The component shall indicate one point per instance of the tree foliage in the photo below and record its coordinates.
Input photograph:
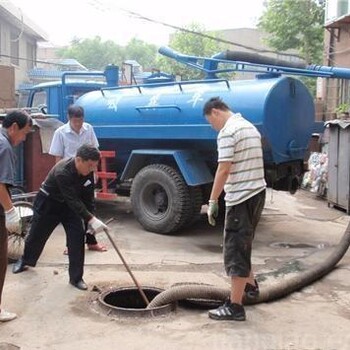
(295, 24)
(142, 52)
(96, 54)
(189, 44)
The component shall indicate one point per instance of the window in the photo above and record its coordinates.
(14, 38)
(344, 91)
(30, 56)
(23, 99)
(336, 9)
(39, 99)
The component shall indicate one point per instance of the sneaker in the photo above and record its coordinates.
(7, 316)
(228, 311)
(252, 292)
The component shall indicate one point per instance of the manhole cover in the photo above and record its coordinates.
(127, 301)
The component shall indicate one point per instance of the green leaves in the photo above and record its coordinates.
(96, 54)
(295, 24)
(189, 44)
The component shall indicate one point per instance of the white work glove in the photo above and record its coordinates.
(213, 211)
(13, 221)
(97, 225)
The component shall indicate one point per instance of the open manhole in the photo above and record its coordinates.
(127, 301)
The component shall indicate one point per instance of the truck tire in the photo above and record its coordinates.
(196, 199)
(160, 199)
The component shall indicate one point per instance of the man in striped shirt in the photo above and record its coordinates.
(240, 174)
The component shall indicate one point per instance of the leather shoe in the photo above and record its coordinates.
(80, 285)
(19, 266)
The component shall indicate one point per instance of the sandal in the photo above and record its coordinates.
(97, 247)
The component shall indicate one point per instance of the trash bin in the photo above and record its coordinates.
(37, 161)
(339, 164)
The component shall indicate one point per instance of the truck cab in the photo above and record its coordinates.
(54, 97)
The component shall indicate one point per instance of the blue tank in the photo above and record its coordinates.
(166, 151)
(169, 116)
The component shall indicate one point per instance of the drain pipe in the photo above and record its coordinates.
(267, 294)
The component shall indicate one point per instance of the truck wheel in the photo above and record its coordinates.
(196, 198)
(160, 199)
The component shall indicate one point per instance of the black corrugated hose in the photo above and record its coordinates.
(268, 293)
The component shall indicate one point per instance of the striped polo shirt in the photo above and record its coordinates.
(239, 142)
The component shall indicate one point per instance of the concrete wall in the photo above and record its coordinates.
(10, 37)
(338, 49)
(254, 38)
(337, 53)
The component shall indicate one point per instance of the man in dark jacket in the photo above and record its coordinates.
(66, 140)
(15, 127)
(67, 197)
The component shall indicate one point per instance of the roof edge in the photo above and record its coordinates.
(30, 27)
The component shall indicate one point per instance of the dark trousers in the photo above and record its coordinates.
(240, 224)
(90, 239)
(3, 250)
(48, 213)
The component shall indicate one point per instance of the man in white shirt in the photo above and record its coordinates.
(66, 140)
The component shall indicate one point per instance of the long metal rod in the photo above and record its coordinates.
(143, 295)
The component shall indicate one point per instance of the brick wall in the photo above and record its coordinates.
(7, 87)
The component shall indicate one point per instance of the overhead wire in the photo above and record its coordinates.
(32, 60)
(100, 6)
(207, 36)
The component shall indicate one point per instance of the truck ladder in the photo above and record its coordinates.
(104, 175)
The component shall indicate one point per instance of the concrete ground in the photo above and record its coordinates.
(295, 232)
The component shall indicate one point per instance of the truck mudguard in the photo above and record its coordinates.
(193, 169)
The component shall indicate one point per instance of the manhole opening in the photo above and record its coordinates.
(129, 298)
(127, 301)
